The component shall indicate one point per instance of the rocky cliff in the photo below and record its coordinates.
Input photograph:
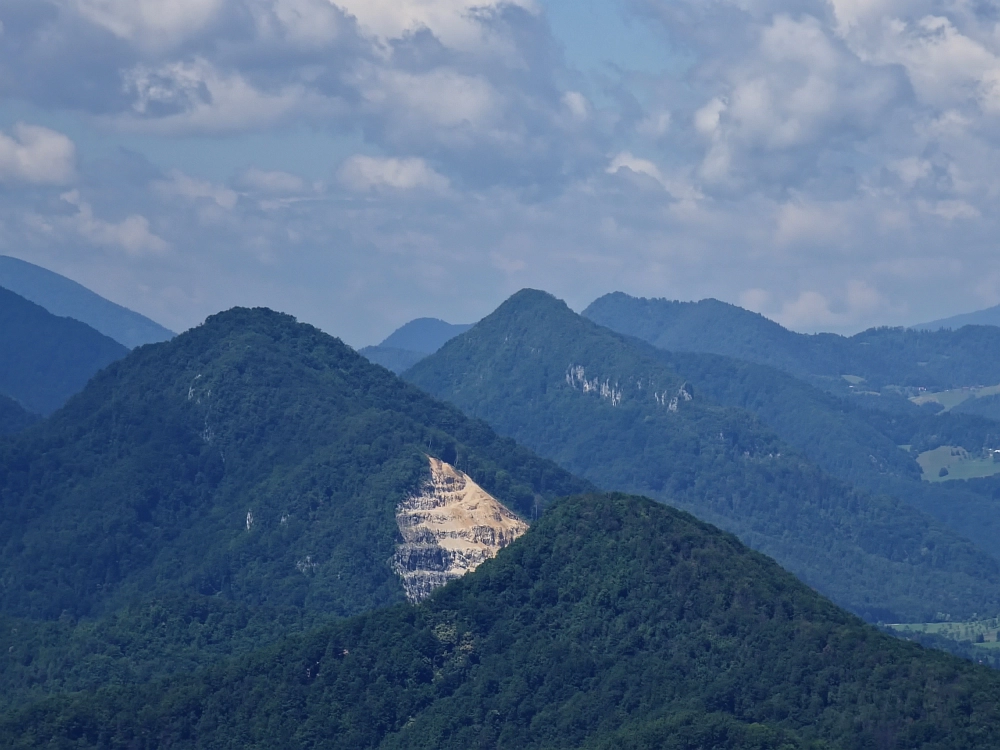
(449, 528)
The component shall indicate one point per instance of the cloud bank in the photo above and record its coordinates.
(832, 164)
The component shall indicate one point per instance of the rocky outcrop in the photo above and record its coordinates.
(449, 528)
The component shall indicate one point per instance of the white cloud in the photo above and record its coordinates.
(451, 21)
(153, 23)
(38, 155)
(442, 97)
(195, 96)
(271, 181)
(132, 234)
(366, 173)
(184, 186)
(311, 23)
(679, 189)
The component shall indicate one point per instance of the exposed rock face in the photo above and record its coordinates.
(448, 529)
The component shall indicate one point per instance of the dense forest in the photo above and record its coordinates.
(252, 459)
(615, 622)
(46, 358)
(13, 417)
(854, 440)
(880, 357)
(608, 408)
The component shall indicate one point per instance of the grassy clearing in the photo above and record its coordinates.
(958, 463)
(951, 399)
(972, 631)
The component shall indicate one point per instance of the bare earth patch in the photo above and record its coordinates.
(449, 528)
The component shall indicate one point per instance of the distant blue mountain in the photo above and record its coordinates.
(988, 317)
(411, 342)
(424, 335)
(65, 298)
(45, 358)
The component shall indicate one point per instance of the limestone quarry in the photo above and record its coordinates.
(449, 528)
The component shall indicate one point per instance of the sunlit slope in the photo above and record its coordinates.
(614, 622)
(609, 409)
(252, 458)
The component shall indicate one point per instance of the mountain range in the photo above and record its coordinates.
(988, 317)
(614, 622)
(411, 342)
(67, 299)
(611, 410)
(253, 460)
(867, 362)
(251, 536)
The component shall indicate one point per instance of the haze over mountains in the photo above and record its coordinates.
(47, 358)
(873, 359)
(68, 299)
(213, 543)
(988, 317)
(411, 342)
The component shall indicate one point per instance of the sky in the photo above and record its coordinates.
(832, 164)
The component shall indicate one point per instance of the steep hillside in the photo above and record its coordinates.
(614, 622)
(252, 459)
(859, 445)
(13, 417)
(65, 298)
(609, 409)
(871, 360)
(219, 461)
(46, 359)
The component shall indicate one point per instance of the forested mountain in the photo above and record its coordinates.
(614, 622)
(425, 335)
(46, 359)
(608, 408)
(13, 418)
(411, 342)
(253, 460)
(857, 444)
(874, 359)
(988, 317)
(65, 298)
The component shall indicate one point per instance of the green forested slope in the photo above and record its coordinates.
(881, 356)
(614, 622)
(859, 445)
(13, 417)
(252, 459)
(45, 359)
(600, 404)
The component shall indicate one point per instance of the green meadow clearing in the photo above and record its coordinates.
(951, 399)
(959, 463)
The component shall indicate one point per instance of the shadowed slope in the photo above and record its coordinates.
(609, 409)
(614, 622)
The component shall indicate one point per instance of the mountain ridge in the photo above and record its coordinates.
(607, 407)
(614, 622)
(47, 358)
(66, 298)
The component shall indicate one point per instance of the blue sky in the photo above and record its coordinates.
(832, 164)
